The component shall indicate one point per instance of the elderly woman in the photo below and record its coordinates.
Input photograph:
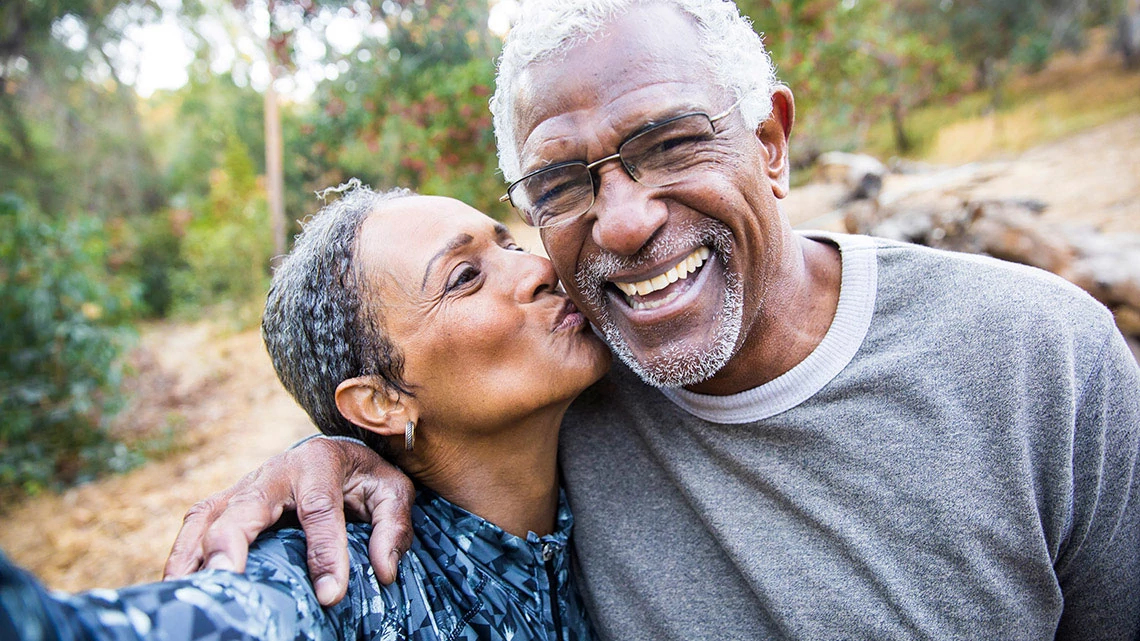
(417, 325)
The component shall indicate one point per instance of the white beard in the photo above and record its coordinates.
(676, 366)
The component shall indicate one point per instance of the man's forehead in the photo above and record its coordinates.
(636, 70)
(631, 44)
(611, 121)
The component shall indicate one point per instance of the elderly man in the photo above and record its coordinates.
(813, 436)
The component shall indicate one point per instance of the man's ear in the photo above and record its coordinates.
(774, 134)
(374, 406)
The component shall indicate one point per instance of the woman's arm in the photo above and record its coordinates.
(273, 599)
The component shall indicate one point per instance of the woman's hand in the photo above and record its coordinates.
(320, 479)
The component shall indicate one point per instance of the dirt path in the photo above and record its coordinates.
(219, 389)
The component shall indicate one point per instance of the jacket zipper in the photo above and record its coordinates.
(552, 581)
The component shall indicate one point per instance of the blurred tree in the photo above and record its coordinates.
(61, 332)
(896, 69)
(197, 130)
(851, 63)
(226, 246)
(193, 125)
(992, 35)
(410, 109)
(70, 138)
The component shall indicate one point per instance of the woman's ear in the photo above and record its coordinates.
(773, 134)
(372, 405)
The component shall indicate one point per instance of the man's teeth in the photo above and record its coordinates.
(680, 271)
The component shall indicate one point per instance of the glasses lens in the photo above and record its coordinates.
(554, 195)
(664, 154)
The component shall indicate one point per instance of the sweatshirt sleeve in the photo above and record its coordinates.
(1099, 566)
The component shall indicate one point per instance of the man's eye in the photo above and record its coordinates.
(462, 276)
(554, 192)
(678, 143)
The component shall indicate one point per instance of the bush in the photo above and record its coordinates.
(61, 336)
(228, 242)
(156, 258)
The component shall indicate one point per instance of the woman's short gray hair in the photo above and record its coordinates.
(320, 326)
(547, 28)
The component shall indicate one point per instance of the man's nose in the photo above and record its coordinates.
(625, 215)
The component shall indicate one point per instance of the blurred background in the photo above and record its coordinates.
(156, 155)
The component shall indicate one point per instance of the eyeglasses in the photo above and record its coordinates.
(658, 156)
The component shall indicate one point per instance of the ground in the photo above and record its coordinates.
(217, 386)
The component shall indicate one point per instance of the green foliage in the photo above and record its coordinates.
(64, 112)
(412, 110)
(227, 244)
(156, 255)
(850, 64)
(198, 250)
(855, 63)
(61, 336)
(992, 35)
(190, 126)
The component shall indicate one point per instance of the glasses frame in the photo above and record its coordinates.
(590, 166)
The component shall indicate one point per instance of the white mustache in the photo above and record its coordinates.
(596, 270)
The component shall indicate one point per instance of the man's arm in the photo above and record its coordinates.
(320, 479)
(1099, 565)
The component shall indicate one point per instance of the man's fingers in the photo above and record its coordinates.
(320, 509)
(186, 553)
(387, 500)
(317, 478)
(250, 510)
(225, 544)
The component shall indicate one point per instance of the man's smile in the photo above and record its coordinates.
(654, 292)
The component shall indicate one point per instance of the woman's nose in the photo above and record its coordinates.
(535, 276)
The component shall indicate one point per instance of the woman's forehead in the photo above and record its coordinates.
(400, 237)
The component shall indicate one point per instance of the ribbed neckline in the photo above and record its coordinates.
(858, 284)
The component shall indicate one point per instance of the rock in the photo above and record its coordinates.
(1104, 265)
(1010, 230)
(1128, 320)
(862, 174)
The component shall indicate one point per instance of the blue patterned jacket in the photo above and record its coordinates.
(464, 578)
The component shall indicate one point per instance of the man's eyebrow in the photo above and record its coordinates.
(452, 246)
(502, 231)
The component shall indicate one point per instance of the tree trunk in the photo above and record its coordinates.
(274, 173)
(898, 121)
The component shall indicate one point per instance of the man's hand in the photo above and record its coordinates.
(320, 479)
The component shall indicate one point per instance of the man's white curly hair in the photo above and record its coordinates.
(545, 29)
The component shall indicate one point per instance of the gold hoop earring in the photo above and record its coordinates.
(410, 436)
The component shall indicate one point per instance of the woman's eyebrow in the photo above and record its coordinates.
(452, 246)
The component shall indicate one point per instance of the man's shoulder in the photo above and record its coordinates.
(978, 287)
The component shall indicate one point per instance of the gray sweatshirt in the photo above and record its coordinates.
(956, 460)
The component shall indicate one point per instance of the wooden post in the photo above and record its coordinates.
(274, 171)
(274, 151)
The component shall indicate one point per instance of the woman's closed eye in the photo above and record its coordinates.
(462, 275)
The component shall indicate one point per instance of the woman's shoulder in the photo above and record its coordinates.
(433, 588)
(369, 610)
